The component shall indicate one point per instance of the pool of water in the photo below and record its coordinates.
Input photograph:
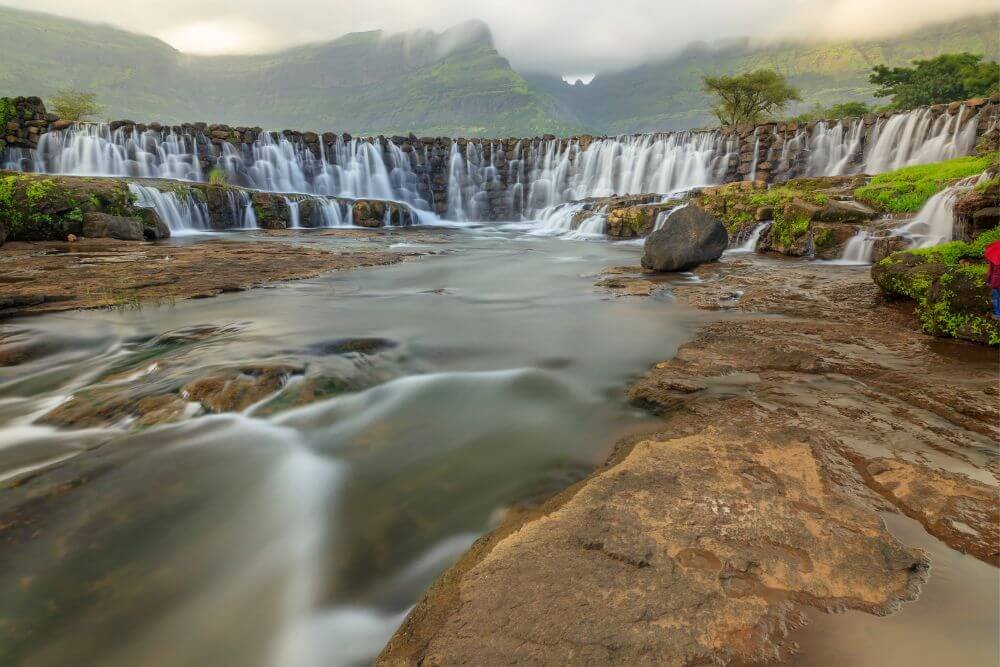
(301, 534)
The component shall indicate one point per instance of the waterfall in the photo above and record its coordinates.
(918, 137)
(750, 245)
(97, 150)
(752, 176)
(241, 209)
(832, 148)
(858, 249)
(480, 180)
(181, 214)
(294, 220)
(933, 224)
(327, 213)
(557, 219)
(935, 220)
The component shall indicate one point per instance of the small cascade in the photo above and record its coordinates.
(294, 219)
(750, 244)
(662, 216)
(918, 137)
(858, 249)
(934, 222)
(241, 211)
(328, 213)
(557, 220)
(97, 150)
(834, 148)
(181, 214)
(752, 176)
(593, 226)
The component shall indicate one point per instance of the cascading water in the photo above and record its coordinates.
(241, 210)
(328, 213)
(181, 214)
(97, 150)
(294, 219)
(934, 222)
(919, 137)
(750, 244)
(858, 249)
(495, 180)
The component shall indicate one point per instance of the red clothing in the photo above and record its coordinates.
(993, 277)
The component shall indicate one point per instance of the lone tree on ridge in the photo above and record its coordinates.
(749, 98)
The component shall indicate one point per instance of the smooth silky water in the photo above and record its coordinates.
(302, 535)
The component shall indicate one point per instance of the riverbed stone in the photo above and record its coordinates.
(688, 238)
(103, 225)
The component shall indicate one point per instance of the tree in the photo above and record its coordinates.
(74, 105)
(750, 97)
(842, 110)
(946, 78)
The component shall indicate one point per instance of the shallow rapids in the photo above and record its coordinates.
(297, 532)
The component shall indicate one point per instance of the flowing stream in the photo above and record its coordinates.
(300, 535)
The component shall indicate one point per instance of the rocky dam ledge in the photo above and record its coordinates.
(771, 152)
(41, 207)
(803, 409)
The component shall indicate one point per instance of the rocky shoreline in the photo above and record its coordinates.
(49, 277)
(806, 405)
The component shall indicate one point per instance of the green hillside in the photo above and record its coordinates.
(364, 83)
(667, 95)
(372, 83)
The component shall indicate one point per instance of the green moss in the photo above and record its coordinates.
(640, 221)
(788, 229)
(906, 190)
(823, 238)
(948, 283)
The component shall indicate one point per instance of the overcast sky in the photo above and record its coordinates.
(562, 36)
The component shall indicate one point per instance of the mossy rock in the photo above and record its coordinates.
(952, 298)
(37, 207)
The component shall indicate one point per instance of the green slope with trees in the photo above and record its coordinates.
(371, 83)
(363, 83)
(669, 94)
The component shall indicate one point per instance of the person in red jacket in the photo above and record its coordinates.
(992, 255)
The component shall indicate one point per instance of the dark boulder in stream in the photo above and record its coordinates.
(689, 237)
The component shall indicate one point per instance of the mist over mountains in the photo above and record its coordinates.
(453, 82)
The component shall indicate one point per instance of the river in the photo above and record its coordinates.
(495, 372)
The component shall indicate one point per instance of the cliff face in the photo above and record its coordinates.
(768, 153)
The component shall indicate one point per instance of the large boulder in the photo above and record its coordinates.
(103, 225)
(845, 211)
(689, 237)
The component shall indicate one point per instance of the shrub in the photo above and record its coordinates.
(218, 177)
(74, 105)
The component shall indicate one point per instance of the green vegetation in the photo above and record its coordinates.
(749, 98)
(43, 208)
(948, 77)
(844, 110)
(906, 190)
(668, 94)
(217, 177)
(948, 283)
(74, 105)
(7, 112)
(371, 83)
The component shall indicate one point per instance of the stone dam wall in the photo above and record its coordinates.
(495, 172)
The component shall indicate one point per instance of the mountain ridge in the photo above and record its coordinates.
(450, 83)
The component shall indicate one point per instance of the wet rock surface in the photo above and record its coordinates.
(783, 438)
(105, 273)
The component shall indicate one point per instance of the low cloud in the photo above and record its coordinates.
(536, 35)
